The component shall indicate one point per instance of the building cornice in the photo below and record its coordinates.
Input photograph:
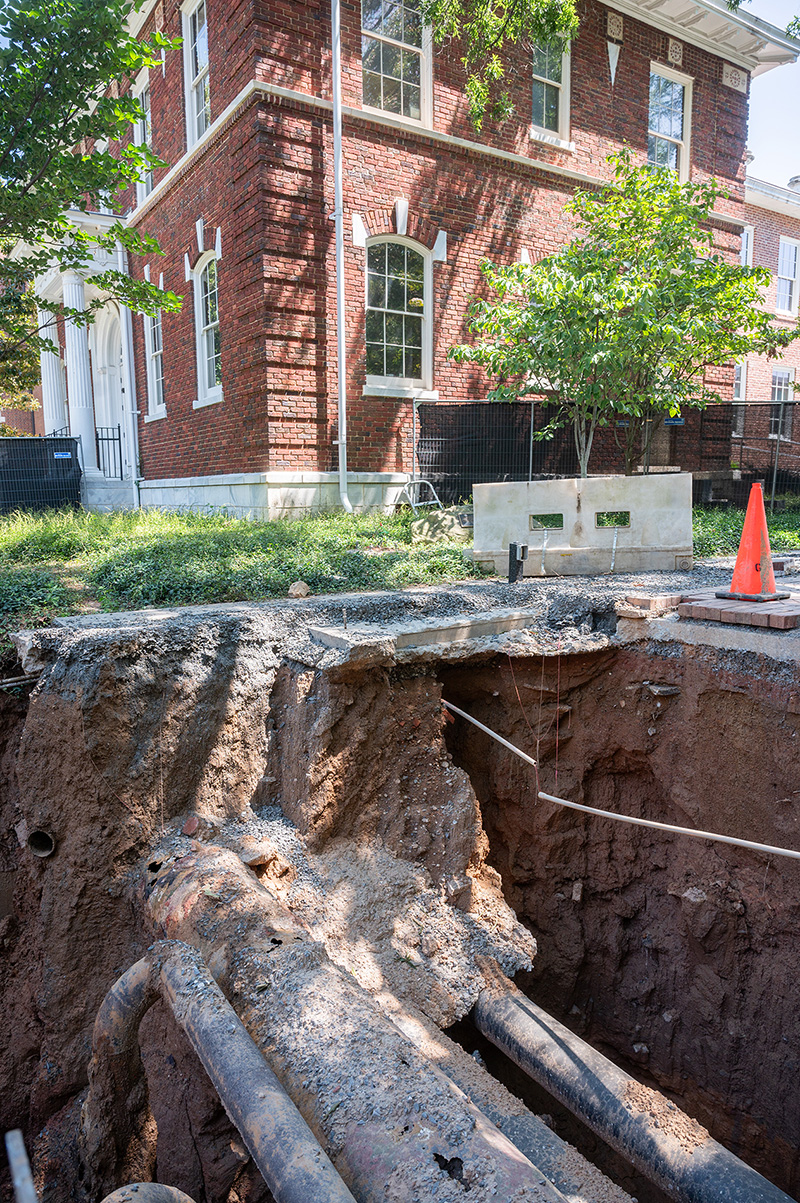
(737, 37)
(762, 195)
(137, 18)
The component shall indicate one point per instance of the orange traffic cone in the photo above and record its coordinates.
(753, 578)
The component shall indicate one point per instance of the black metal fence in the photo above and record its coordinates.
(462, 443)
(108, 440)
(39, 473)
(765, 445)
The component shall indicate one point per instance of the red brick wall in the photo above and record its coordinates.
(769, 227)
(266, 180)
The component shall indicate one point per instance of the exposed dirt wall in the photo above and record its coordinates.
(135, 735)
(679, 955)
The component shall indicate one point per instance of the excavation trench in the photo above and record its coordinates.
(677, 957)
(355, 870)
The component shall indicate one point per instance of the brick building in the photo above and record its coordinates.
(766, 416)
(233, 400)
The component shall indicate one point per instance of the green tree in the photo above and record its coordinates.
(65, 146)
(624, 323)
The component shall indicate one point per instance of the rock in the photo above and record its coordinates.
(299, 589)
(429, 945)
(455, 522)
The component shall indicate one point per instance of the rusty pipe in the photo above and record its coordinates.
(148, 1192)
(292, 1163)
(668, 1147)
(396, 1124)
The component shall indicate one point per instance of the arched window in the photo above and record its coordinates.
(398, 334)
(207, 334)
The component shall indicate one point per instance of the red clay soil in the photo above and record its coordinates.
(678, 955)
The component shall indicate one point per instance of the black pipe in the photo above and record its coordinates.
(517, 555)
(294, 1166)
(657, 1138)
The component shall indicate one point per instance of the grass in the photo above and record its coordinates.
(66, 561)
(717, 531)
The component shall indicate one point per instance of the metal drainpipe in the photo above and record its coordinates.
(669, 1148)
(294, 1166)
(338, 213)
(130, 384)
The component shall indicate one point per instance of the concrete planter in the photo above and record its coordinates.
(601, 524)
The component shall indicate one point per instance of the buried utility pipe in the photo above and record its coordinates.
(148, 1192)
(291, 1161)
(610, 814)
(395, 1120)
(657, 1138)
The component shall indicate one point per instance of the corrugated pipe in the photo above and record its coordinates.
(293, 1165)
(669, 1148)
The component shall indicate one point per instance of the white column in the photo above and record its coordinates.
(53, 407)
(79, 375)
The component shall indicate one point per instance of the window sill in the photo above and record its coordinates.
(156, 416)
(547, 138)
(397, 118)
(202, 402)
(409, 391)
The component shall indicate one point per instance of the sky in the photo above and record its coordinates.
(774, 136)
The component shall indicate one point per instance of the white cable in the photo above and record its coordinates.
(609, 814)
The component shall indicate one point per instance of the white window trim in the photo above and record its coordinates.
(685, 147)
(154, 411)
(401, 386)
(188, 8)
(796, 298)
(741, 400)
(561, 138)
(785, 438)
(142, 82)
(425, 52)
(746, 251)
(205, 395)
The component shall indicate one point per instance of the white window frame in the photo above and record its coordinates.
(792, 311)
(742, 398)
(746, 249)
(775, 405)
(684, 146)
(561, 136)
(144, 186)
(739, 401)
(403, 386)
(190, 81)
(425, 51)
(205, 395)
(154, 408)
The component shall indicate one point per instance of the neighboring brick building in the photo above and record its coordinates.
(237, 393)
(766, 421)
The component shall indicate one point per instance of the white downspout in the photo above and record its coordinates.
(130, 384)
(338, 213)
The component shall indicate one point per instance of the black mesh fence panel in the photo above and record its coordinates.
(39, 474)
(463, 443)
